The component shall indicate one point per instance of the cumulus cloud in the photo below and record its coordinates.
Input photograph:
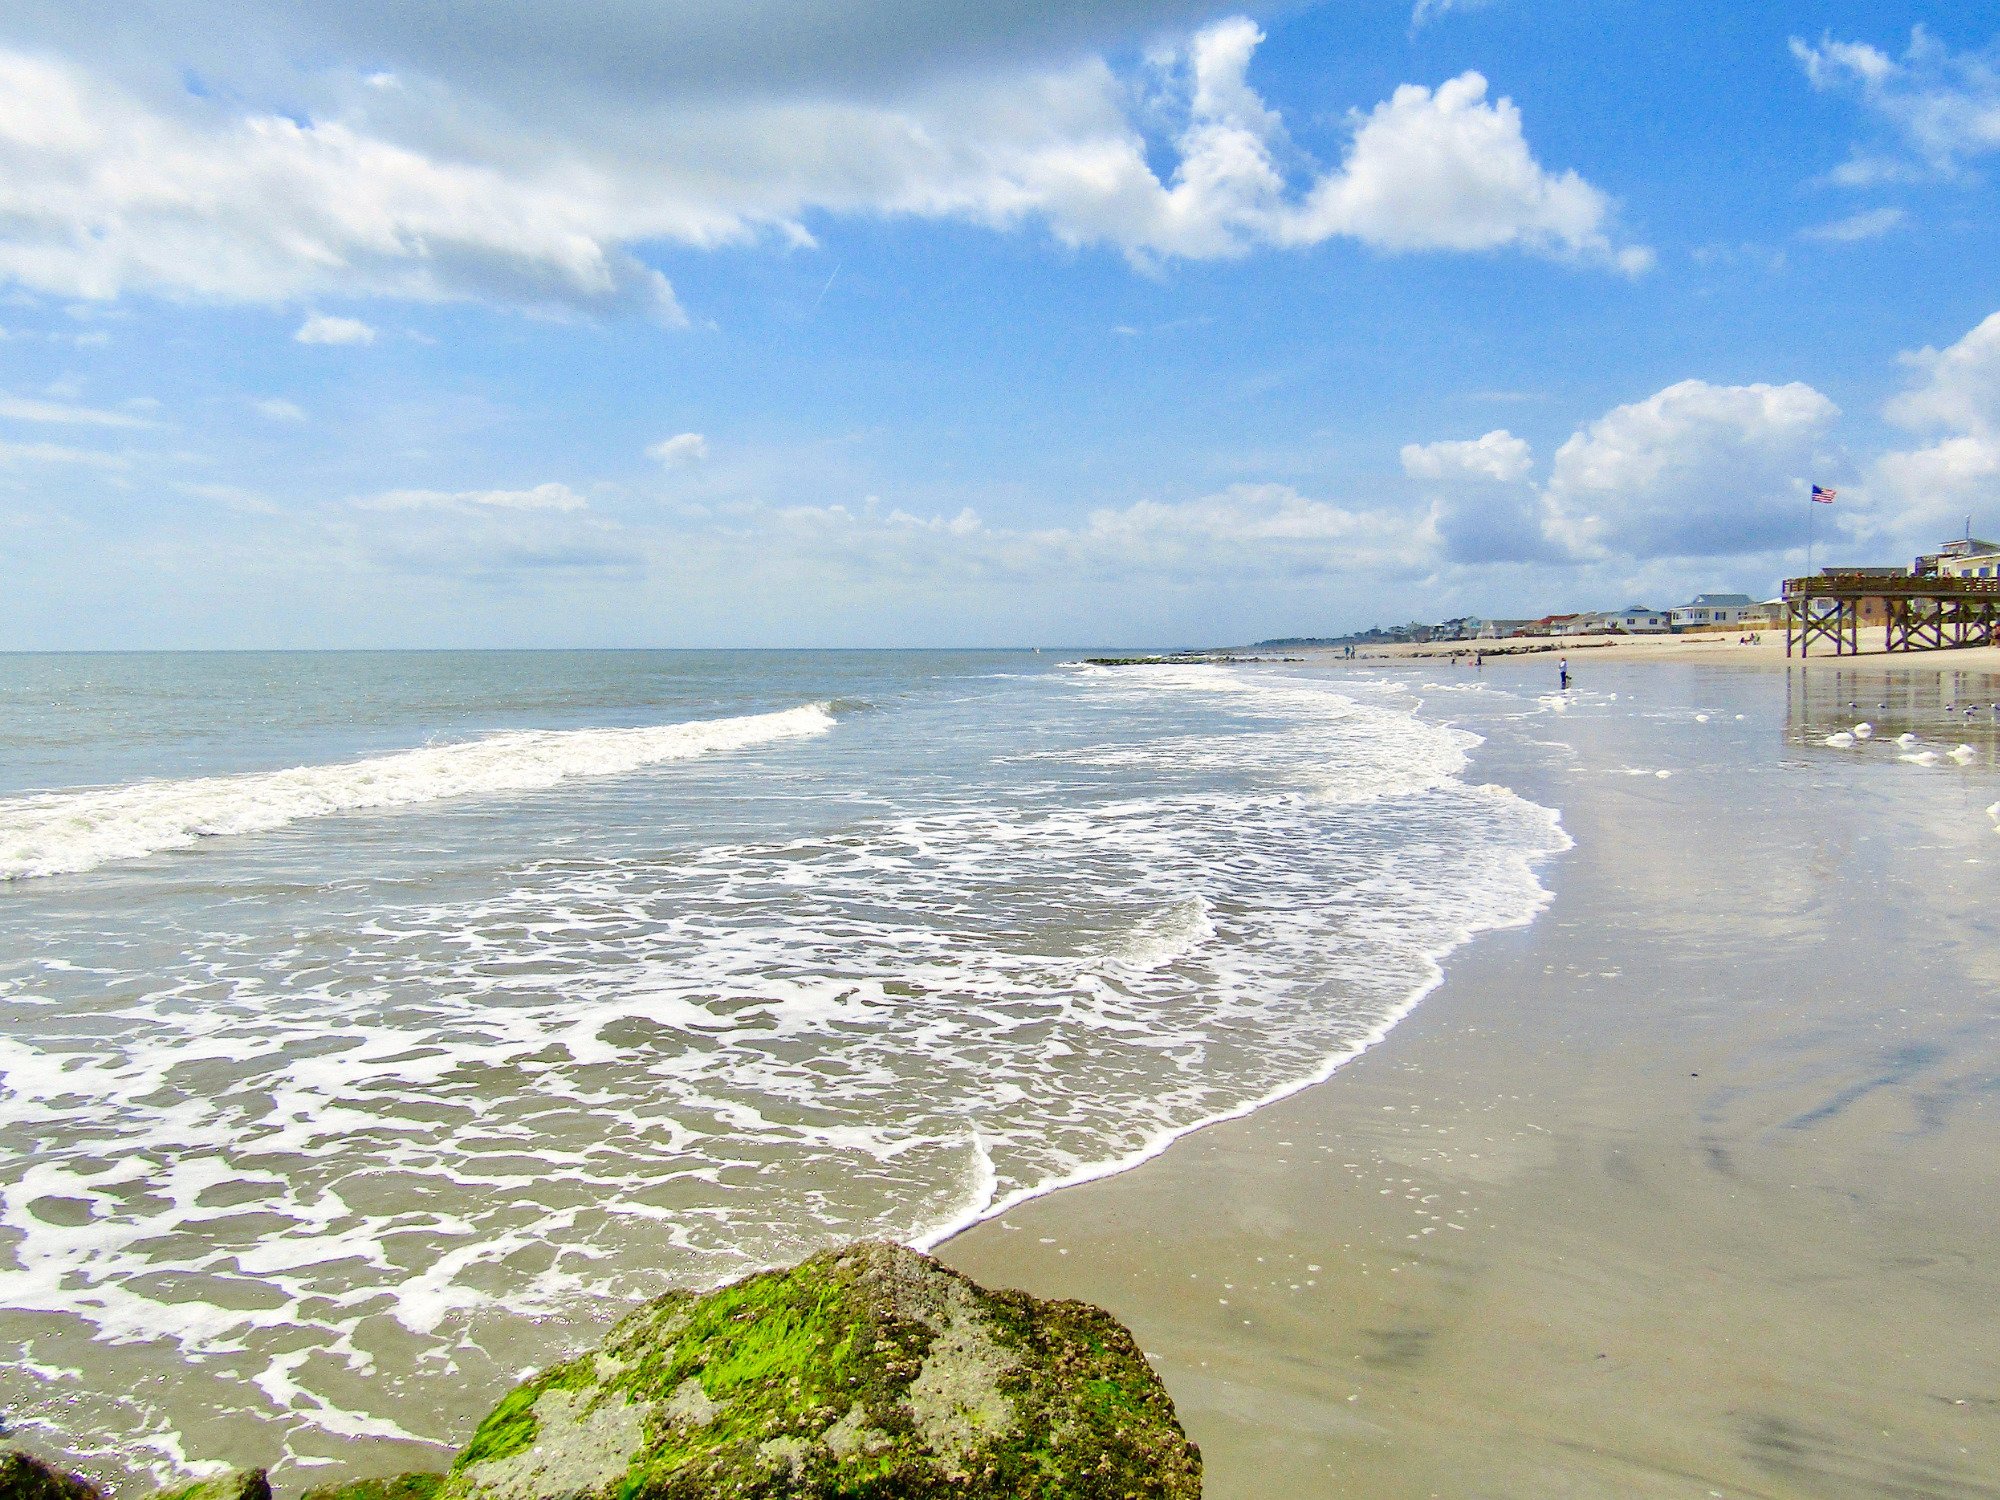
(323, 328)
(682, 448)
(1482, 509)
(100, 193)
(1959, 387)
(1498, 455)
(543, 497)
(1695, 470)
(1921, 493)
(1446, 169)
(424, 187)
(1940, 108)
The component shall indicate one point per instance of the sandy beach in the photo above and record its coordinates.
(1685, 1190)
(1763, 645)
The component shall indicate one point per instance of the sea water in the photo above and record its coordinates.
(378, 1025)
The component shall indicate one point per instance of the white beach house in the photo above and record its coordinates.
(1712, 609)
(1636, 619)
(1968, 557)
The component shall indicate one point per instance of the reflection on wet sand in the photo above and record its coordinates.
(1686, 1191)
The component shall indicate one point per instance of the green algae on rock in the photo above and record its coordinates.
(236, 1484)
(867, 1373)
(25, 1477)
(397, 1487)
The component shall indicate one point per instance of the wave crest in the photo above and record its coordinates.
(66, 833)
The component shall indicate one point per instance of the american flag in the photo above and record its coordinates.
(1823, 497)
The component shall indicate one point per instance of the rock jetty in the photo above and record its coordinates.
(866, 1373)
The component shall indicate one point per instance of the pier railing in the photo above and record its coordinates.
(1917, 613)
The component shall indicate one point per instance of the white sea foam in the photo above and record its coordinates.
(64, 833)
(328, 1157)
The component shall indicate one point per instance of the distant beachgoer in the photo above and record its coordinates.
(1479, 661)
(1562, 673)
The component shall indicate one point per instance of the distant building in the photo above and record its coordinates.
(1967, 558)
(1636, 619)
(1711, 609)
(1591, 622)
(1499, 630)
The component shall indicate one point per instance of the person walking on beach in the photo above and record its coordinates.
(1562, 673)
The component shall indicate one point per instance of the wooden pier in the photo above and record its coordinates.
(1917, 613)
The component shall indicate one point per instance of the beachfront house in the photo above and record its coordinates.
(1706, 611)
(1499, 630)
(1590, 622)
(1968, 557)
(1636, 619)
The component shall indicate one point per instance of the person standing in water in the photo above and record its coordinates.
(1562, 673)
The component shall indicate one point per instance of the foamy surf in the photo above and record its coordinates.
(286, 1155)
(66, 833)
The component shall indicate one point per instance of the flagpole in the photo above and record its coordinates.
(1810, 503)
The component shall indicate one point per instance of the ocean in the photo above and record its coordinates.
(379, 1024)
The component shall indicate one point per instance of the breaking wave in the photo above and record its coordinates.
(65, 833)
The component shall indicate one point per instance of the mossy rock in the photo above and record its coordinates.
(236, 1484)
(25, 1477)
(399, 1487)
(867, 1373)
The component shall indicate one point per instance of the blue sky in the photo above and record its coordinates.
(1120, 322)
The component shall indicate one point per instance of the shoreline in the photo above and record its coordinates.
(1542, 1341)
(1530, 1081)
(1719, 647)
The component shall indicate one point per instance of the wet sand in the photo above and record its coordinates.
(1687, 1190)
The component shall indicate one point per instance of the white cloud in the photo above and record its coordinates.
(234, 497)
(1940, 107)
(1960, 387)
(323, 328)
(1499, 455)
(543, 497)
(1482, 509)
(1868, 225)
(1695, 470)
(1426, 11)
(1244, 534)
(1919, 495)
(280, 410)
(62, 413)
(1246, 531)
(12, 454)
(428, 190)
(1445, 169)
(683, 448)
